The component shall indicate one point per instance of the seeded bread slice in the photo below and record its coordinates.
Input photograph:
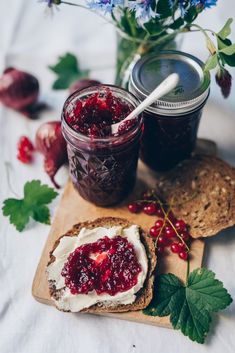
(144, 296)
(203, 191)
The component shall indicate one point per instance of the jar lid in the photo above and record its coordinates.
(191, 91)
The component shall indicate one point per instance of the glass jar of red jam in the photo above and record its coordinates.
(102, 165)
(171, 123)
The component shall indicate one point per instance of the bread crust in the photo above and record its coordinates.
(144, 295)
(203, 192)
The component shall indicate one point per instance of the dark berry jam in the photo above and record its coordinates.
(168, 140)
(102, 166)
(109, 265)
(94, 115)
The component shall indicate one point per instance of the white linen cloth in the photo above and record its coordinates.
(31, 41)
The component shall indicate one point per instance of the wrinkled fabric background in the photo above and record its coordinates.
(31, 41)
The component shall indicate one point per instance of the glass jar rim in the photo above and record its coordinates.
(166, 106)
(91, 90)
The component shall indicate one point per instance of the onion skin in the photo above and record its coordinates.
(18, 89)
(81, 84)
(51, 143)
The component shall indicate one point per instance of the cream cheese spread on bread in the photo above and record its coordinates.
(77, 302)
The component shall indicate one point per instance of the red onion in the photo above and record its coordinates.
(18, 89)
(81, 84)
(50, 142)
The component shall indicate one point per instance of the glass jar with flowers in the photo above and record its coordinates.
(145, 26)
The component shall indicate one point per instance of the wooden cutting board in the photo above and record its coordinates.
(73, 209)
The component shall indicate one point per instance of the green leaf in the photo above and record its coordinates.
(41, 214)
(177, 23)
(154, 28)
(228, 59)
(68, 71)
(15, 209)
(226, 30)
(211, 63)
(189, 306)
(230, 50)
(36, 196)
(164, 9)
(36, 193)
(223, 43)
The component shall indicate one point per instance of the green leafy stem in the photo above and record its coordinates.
(189, 305)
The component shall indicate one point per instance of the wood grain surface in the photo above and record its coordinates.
(73, 209)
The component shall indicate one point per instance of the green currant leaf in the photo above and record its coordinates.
(68, 71)
(36, 197)
(211, 63)
(18, 214)
(226, 30)
(190, 305)
(36, 193)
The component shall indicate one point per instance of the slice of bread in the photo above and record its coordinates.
(144, 296)
(203, 192)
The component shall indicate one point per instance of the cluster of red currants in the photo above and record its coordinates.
(25, 150)
(167, 230)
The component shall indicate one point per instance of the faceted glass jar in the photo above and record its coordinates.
(103, 170)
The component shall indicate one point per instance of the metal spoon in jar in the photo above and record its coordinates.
(161, 90)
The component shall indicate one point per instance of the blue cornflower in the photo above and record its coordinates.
(50, 3)
(143, 9)
(204, 3)
(104, 5)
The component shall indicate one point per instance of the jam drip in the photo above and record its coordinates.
(94, 115)
(108, 265)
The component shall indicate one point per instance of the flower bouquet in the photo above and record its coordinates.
(145, 26)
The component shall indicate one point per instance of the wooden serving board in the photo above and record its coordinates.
(73, 209)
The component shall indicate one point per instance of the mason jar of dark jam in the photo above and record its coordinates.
(170, 124)
(102, 166)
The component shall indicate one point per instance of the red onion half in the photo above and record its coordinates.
(50, 142)
(18, 89)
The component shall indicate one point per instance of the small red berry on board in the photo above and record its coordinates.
(134, 207)
(180, 225)
(184, 235)
(183, 255)
(159, 223)
(150, 209)
(175, 248)
(169, 232)
(25, 150)
(154, 232)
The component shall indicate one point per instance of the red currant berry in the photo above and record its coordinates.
(134, 207)
(175, 248)
(25, 150)
(180, 225)
(169, 232)
(160, 213)
(159, 223)
(183, 255)
(160, 250)
(163, 241)
(181, 246)
(150, 209)
(154, 231)
(184, 235)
